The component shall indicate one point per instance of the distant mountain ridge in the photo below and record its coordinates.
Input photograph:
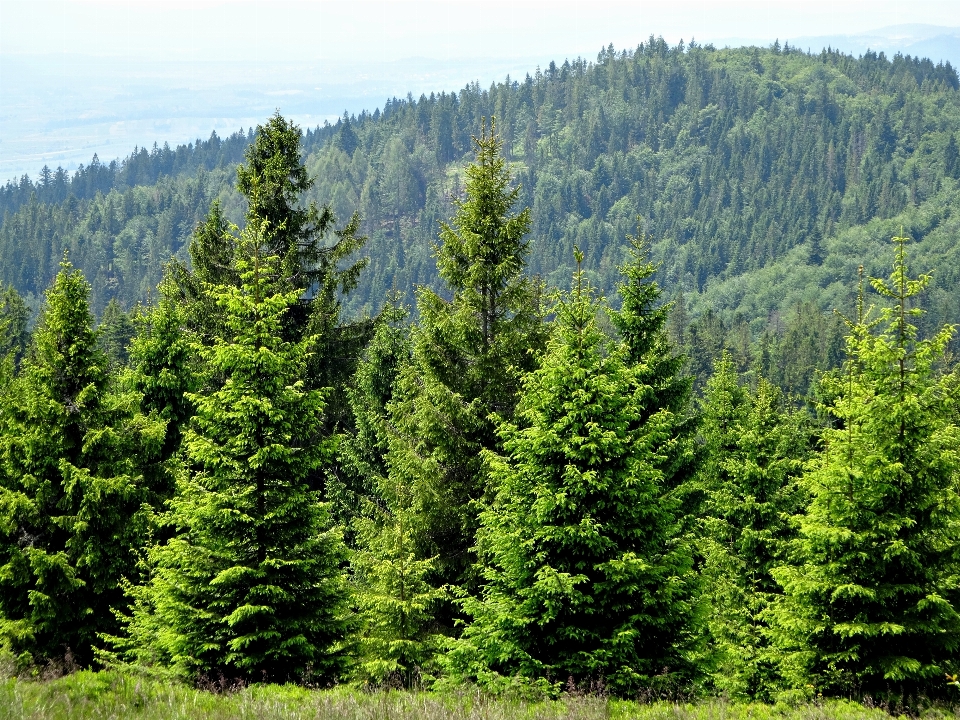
(936, 42)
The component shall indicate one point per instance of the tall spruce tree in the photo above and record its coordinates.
(251, 585)
(398, 637)
(642, 324)
(314, 257)
(73, 506)
(468, 355)
(273, 179)
(588, 578)
(163, 370)
(871, 598)
(754, 449)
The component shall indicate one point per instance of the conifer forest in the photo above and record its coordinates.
(633, 378)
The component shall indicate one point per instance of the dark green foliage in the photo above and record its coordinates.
(14, 318)
(570, 525)
(754, 449)
(251, 585)
(120, 239)
(116, 331)
(362, 453)
(272, 180)
(468, 355)
(951, 158)
(398, 637)
(817, 252)
(586, 575)
(164, 369)
(72, 510)
(141, 167)
(871, 593)
(810, 342)
(735, 159)
(212, 250)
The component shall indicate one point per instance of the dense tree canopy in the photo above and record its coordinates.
(586, 574)
(263, 462)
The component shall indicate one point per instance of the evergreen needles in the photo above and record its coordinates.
(871, 596)
(514, 490)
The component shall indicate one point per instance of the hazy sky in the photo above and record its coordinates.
(85, 76)
(262, 30)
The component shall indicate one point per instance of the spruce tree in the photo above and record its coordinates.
(14, 318)
(588, 579)
(398, 638)
(251, 585)
(642, 324)
(73, 506)
(871, 596)
(274, 178)
(754, 449)
(314, 255)
(468, 355)
(362, 451)
(163, 371)
(116, 331)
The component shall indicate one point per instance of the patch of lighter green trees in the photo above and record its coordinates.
(508, 484)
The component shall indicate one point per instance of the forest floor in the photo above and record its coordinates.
(105, 695)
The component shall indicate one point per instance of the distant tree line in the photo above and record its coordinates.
(763, 175)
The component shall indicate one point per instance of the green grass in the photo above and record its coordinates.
(105, 695)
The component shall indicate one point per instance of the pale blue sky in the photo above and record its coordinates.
(201, 30)
(85, 76)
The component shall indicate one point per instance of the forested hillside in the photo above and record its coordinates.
(503, 487)
(765, 177)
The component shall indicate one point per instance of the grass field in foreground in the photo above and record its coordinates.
(105, 695)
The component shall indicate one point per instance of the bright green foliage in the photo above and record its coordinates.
(71, 503)
(642, 324)
(273, 180)
(251, 585)
(163, 370)
(642, 320)
(468, 355)
(398, 638)
(587, 578)
(163, 362)
(14, 315)
(754, 448)
(872, 594)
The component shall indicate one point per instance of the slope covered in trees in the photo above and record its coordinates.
(764, 176)
(507, 487)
